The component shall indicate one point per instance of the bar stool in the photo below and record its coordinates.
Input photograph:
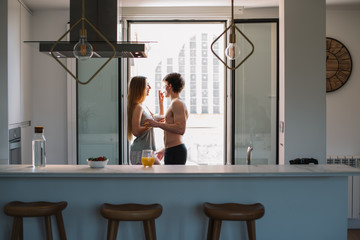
(232, 212)
(131, 212)
(19, 210)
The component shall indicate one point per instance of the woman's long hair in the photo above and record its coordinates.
(136, 95)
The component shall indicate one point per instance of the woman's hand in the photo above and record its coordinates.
(161, 97)
(161, 102)
(151, 123)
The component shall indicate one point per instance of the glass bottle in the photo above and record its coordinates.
(38, 148)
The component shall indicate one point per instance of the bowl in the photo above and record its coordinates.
(97, 164)
(158, 117)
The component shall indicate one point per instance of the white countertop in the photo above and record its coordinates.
(157, 171)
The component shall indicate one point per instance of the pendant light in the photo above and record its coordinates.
(232, 51)
(83, 50)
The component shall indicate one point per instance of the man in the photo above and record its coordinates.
(175, 151)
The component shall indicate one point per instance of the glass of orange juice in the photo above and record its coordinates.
(147, 158)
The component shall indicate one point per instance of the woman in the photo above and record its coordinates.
(137, 114)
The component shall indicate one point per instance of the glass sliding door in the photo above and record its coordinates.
(98, 111)
(184, 47)
(255, 84)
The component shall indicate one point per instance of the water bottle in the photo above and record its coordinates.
(38, 148)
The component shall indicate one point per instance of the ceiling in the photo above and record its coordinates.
(36, 5)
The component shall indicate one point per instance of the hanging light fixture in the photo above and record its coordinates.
(232, 51)
(83, 50)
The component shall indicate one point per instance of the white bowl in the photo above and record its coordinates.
(158, 117)
(97, 164)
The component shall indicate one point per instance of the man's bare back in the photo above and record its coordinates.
(177, 114)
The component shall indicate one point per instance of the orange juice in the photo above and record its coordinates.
(147, 161)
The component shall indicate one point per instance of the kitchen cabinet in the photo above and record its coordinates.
(26, 82)
(20, 72)
(19, 63)
(14, 63)
(25, 66)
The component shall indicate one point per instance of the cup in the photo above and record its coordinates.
(147, 158)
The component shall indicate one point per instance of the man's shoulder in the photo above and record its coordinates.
(178, 103)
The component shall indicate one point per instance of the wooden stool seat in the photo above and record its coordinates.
(19, 210)
(131, 212)
(33, 209)
(232, 212)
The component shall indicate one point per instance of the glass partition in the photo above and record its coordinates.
(98, 111)
(255, 94)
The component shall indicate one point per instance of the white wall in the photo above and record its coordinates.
(49, 89)
(343, 110)
(302, 80)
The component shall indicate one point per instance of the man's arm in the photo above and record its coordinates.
(179, 125)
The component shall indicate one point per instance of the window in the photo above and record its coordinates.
(184, 47)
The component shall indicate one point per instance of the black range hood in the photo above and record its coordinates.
(101, 49)
(103, 14)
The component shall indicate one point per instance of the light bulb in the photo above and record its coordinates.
(83, 49)
(232, 51)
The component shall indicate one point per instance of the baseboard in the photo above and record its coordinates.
(353, 223)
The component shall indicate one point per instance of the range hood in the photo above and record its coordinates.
(101, 49)
(103, 14)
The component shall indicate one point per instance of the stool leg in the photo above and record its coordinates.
(61, 227)
(21, 236)
(112, 229)
(48, 227)
(251, 229)
(149, 229)
(216, 230)
(210, 229)
(16, 231)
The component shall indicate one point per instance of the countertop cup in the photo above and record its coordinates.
(147, 157)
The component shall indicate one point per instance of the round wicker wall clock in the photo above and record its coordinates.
(338, 64)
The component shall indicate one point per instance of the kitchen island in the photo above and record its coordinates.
(301, 201)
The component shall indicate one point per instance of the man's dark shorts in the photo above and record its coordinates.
(176, 155)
